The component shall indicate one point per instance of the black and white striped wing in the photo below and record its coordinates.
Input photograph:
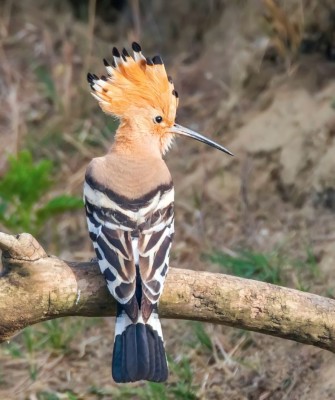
(113, 247)
(154, 249)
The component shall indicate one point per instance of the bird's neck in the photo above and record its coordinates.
(133, 166)
(132, 139)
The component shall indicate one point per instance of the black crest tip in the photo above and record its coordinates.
(125, 52)
(175, 93)
(106, 63)
(149, 61)
(170, 79)
(157, 60)
(136, 47)
(116, 52)
(103, 77)
(90, 78)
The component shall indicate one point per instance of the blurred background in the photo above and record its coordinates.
(258, 77)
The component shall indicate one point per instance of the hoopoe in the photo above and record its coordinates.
(129, 199)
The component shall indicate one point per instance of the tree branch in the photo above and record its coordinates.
(35, 287)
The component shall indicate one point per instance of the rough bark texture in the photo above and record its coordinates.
(36, 287)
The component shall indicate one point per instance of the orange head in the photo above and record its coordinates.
(138, 91)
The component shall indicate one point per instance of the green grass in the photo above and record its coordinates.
(308, 264)
(55, 336)
(201, 337)
(2, 375)
(56, 396)
(44, 77)
(251, 265)
(275, 267)
(184, 388)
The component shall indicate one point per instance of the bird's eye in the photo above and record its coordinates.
(158, 119)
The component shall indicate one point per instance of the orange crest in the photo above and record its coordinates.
(135, 83)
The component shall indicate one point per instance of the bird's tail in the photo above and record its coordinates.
(139, 350)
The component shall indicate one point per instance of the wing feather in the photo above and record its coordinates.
(153, 265)
(113, 247)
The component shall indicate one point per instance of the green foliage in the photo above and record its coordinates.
(184, 388)
(329, 292)
(308, 264)
(305, 271)
(44, 76)
(251, 265)
(23, 176)
(21, 191)
(14, 350)
(47, 396)
(71, 396)
(275, 267)
(110, 126)
(202, 336)
(58, 205)
(54, 336)
(54, 396)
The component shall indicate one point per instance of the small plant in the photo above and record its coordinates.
(54, 336)
(202, 337)
(309, 264)
(47, 396)
(44, 77)
(276, 267)
(2, 376)
(54, 396)
(58, 334)
(252, 265)
(184, 388)
(21, 192)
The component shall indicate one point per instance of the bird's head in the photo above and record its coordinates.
(139, 92)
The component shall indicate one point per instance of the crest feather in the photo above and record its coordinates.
(134, 82)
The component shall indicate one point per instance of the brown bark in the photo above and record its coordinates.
(35, 287)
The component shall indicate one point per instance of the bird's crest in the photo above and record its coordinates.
(134, 82)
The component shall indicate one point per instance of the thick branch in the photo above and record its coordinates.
(35, 287)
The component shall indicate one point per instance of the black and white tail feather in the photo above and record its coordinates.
(132, 240)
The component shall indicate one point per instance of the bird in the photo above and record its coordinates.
(129, 202)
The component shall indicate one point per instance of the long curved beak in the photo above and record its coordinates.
(180, 130)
